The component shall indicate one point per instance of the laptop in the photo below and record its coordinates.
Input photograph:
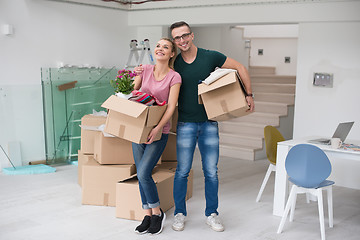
(341, 132)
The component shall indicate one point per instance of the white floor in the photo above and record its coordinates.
(48, 206)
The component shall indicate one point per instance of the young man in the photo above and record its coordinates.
(193, 127)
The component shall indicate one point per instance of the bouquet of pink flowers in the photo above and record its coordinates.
(124, 81)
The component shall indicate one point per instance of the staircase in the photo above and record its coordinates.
(274, 98)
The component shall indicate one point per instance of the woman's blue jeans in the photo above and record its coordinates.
(146, 157)
(206, 135)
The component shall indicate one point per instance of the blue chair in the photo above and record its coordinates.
(308, 167)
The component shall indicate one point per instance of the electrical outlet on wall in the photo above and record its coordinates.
(323, 79)
(260, 51)
(287, 59)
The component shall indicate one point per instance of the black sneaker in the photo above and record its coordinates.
(157, 223)
(144, 226)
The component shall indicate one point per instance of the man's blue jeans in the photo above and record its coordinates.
(206, 134)
(146, 157)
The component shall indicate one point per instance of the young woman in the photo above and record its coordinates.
(163, 83)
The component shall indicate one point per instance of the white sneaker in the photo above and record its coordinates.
(214, 222)
(179, 222)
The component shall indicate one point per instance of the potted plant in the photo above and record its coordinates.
(123, 83)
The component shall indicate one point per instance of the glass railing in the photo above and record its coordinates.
(69, 94)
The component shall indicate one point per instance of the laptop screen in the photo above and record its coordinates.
(343, 130)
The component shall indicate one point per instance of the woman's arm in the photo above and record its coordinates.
(137, 82)
(173, 98)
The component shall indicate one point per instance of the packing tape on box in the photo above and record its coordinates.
(224, 106)
(106, 199)
(132, 214)
(121, 130)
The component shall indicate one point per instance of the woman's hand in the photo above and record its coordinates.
(152, 135)
(138, 70)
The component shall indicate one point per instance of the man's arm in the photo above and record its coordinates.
(245, 77)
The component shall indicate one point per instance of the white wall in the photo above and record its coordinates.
(233, 45)
(274, 52)
(153, 34)
(271, 31)
(225, 39)
(256, 13)
(333, 48)
(207, 37)
(277, 42)
(45, 33)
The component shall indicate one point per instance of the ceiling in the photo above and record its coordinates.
(133, 5)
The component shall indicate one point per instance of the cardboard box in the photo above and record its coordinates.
(131, 120)
(169, 154)
(99, 182)
(88, 136)
(82, 159)
(112, 150)
(174, 120)
(172, 167)
(128, 200)
(224, 98)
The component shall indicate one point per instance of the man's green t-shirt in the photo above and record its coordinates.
(205, 62)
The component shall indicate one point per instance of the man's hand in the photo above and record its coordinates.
(250, 102)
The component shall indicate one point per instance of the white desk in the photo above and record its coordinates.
(280, 191)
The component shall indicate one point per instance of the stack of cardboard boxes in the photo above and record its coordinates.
(102, 161)
(106, 169)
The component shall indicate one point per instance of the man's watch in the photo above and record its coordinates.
(249, 95)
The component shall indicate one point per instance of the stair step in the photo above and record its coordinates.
(273, 88)
(271, 107)
(273, 79)
(261, 70)
(242, 128)
(243, 137)
(287, 98)
(240, 140)
(237, 152)
(259, 117)
(260, 154)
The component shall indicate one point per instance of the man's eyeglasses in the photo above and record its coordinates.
(185, 36)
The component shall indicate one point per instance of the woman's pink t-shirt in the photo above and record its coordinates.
(159, 89)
